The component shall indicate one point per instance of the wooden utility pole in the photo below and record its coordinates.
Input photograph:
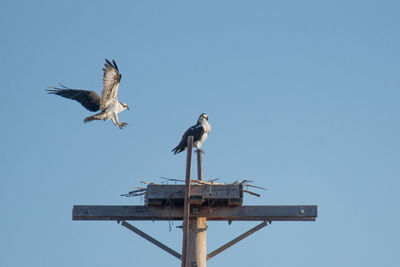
(197, 248)
(186, 209)
(200, 164)
(194, 205)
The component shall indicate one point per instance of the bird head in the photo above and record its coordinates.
(203, 116)
(124, 106)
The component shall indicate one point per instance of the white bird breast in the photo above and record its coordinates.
(207, 129)
(112, 109)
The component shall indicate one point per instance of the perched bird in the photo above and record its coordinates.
(108, 103)
(199, 132)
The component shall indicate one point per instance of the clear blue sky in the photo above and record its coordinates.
(303, 98)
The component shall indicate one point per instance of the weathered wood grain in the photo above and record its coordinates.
(239, 213)
(217, 194)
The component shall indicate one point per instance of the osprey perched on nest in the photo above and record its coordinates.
(199, 132)
(108, 103)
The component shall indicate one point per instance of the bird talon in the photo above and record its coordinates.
(122, 125)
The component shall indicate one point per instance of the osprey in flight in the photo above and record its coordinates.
(108, 103)
(199, 132)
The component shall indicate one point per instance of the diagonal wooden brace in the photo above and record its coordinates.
(236, 240)
(151, 239)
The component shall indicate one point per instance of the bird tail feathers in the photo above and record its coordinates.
(99, 116)
(177, 150)
(86, 120)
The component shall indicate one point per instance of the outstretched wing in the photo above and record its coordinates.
(111, 80)
(196, 131)
(89, 99)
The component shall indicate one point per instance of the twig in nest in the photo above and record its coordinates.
(252, 193)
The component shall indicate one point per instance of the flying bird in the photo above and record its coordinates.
(108, 103)
(199, 132)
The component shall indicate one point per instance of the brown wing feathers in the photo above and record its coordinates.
(111, 81)
(89, 99)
